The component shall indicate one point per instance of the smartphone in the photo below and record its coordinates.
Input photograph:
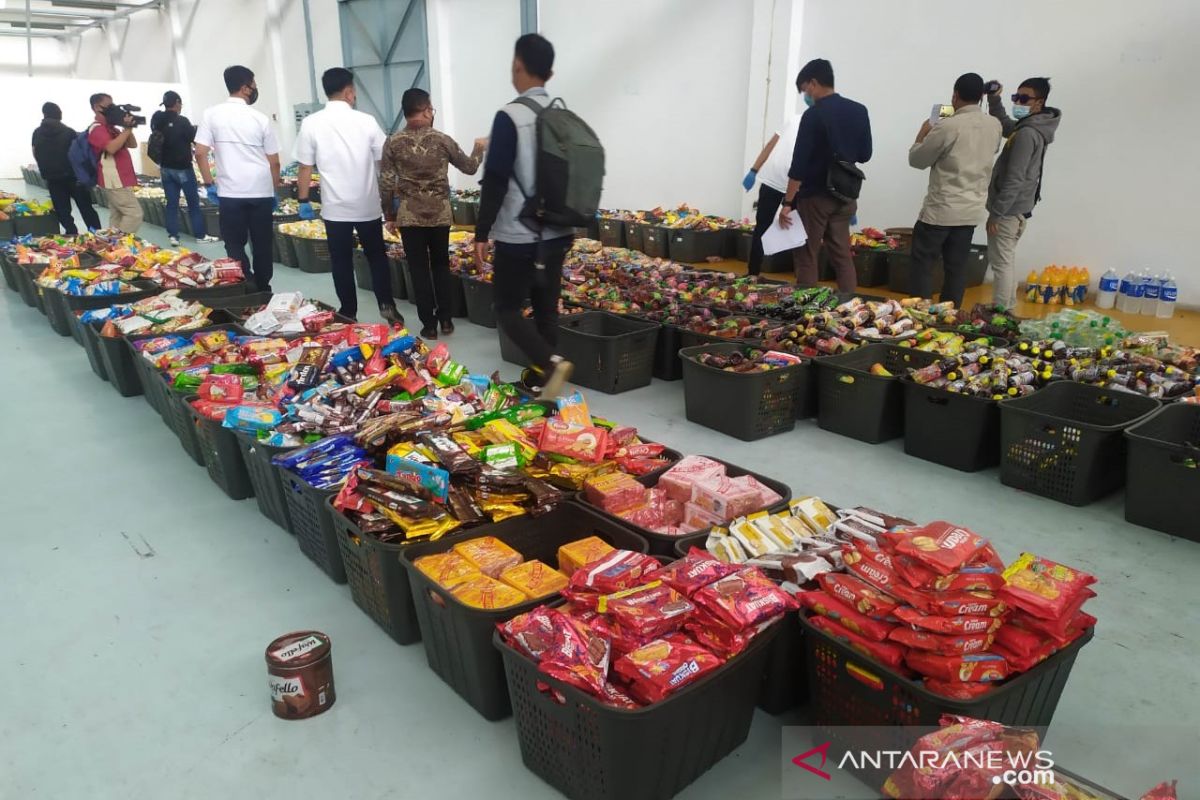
(940, 112)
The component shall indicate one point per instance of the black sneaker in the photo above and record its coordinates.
(391, 315)
(429, 332)
(447, 327)
(532, 380)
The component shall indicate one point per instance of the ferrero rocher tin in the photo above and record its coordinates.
(300, 672)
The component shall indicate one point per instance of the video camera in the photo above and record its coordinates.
(115, 115)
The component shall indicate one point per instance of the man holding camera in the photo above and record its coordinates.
(111, 137)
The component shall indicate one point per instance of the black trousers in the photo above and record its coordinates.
(341, 256)
(428, 252)
(517, 279)
(953, 244)
(62, 192)
(245, 219)
(769, 201)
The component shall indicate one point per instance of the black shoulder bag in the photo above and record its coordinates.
(844, 179)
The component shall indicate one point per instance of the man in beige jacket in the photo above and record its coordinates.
(958, 151)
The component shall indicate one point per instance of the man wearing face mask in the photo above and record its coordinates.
(247, 154)
(1016, 185)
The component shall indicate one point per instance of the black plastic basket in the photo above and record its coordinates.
(1066, 440)
(118, 363)
(284, 247)
(265, 479)
(954, 430)
(667, 365)
(91, 346)
(479, 298)
(73, 304)
(462, 212)
(871, 267)
(664, 545)
(312, 255)
(25, 284)
(853, 402)
(312, 523)
(848, 690)
(590, 751)
(611, 354)
(56, 311)
(222, 456)
(695, 246)
(612, 232)
(977, 264)
(1163, 467)
(178, 416)
(744, 243)
(634, 238)
(458, 638)
(9, 265)
(36, 225)
(656, 241)
(746, 406)
(900, 267)
(212, 220)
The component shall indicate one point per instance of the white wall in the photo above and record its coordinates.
(1121, 177)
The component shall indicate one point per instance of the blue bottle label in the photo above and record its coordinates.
(1109, 284)
(1125, 285)
(1137, 290)
(1168, 293)
(1152, 290)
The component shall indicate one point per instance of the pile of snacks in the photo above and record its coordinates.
(979, 320)
(193, 271)
(65, 275)
(846, 327)
(287, 312)
(304, 229)
(18, 207)
(160, 313)
(1111, 368)
(872, 239)
(981, 371)
(944, 343)
(487, 573)
(748, 359)
(687, 218)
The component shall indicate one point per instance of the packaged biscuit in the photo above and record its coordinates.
(647, 611)
(723, 498)
(534, 579)
(1043, 588)
(745, 599)
(679, 479)
(957, 690)
(941, 546)
(826, 605)
(664, 666)
(614, 492)
(936, 623)
(446, 569)
(614, 572)
(487, 593)
(973, 667)
(864, 598)
(886, 653)
(489, 555)
(573, 555)
(943, 645)
(725, 547)
(694, 571)
(815, 513)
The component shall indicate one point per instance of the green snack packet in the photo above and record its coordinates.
(502, 456)
(519, 415)
(451, 374)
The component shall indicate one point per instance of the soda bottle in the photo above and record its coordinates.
(927, 375)
(1106, 297)
(1085, 283)
(1168, 294)
(1072, 283)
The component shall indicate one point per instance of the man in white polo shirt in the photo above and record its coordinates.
(346, 146)
(247, 154)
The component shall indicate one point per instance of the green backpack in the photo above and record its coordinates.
(569, 168)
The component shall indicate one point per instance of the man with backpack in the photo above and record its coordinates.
(114, 166)
(51, 143)
(528, 211)
(170, 146)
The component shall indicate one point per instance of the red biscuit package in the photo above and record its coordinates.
(943, 645)
(679, 479)
(951, 625)
(745, 599)
(1044, 588)
(314, 323)
(941, 546)
(694, 571)
(635, 450)
(829, 606)
(978, 604)
(980, 756)
(641, 466)
(1023, 663)
(574, 441)
(971, 578)
(647, 611)
(957, 690)
(664, 666)
(975, 667)
(723, 498)
(1079, 621)
(614, 492)
(864, 598)
(878, 576)
(710, 632)
(885, 653)
(987, 557)
(564, 647)
(615, 572)
(1164, 791)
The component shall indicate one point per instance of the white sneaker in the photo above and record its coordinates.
(174, 240)
(209, 239)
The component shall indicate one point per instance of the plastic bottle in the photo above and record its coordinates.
(1072, 286)
(1168, 293)
(1150, 290)
(1085, 284)
(1138, 291)
(1033, 290)
(1126, 291)
(1110, 282)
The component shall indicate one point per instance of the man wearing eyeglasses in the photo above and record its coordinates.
(1016, 185)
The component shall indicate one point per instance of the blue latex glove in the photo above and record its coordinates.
(748, 181)
(854, 221)
(306, 211)
(275, 205)
(211, 191)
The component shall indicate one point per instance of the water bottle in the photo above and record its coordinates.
(1138, 290)
(1126, 291)
(1109, 283)
(1150, 291)
(1168, 293)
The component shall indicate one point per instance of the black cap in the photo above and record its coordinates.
(170, 98)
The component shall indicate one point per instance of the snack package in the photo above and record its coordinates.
(723, 498)
(795, 568)
(664, 666)
(487, 593)
(815, 514)
(981, 752)
(941, 546)
(980, 604)
(696, 518)
(679, 479)
(935, 623)
(725, 548)
(445, 569)
(489, 555)
(1055, 630)
(885, 653)
(575, 441)
(647, 611)
(534, 579)
(971, 578)
(942, 645)
(973, 667)
(744, 599)
(573, 555)
(614, 572)
(565, 648)
(766, 495)
(614, 492)
(860, 595)
(574, 410)
(1164, 791)
(1043, 588)
(829, 606)
(693, 572)
(957, 690)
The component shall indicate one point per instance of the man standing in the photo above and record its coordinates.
(177, 174)
(1016, 185)
(247, 154)
(51, 141)
(348, 145)
(771, 168)
(958, 152)
(833, 128)
(114, 168)
(415, 165)
(528, 256)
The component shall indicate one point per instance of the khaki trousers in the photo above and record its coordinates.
(1002, 258)
(124, 211)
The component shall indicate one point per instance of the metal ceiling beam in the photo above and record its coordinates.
(97, 4)
(130, 10)
(33, 34)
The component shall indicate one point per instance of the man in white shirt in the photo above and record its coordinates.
(347, 145)
(771, 167)
(247, 154)
(958, 151)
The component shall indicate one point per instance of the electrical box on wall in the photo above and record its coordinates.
(302, 110)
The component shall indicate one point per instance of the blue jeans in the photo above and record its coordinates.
(173, 180)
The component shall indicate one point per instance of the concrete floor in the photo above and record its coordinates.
(139, 600)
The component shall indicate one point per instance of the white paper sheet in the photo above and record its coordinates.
(776, 239)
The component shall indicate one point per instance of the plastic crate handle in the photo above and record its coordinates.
(937, 401)
(845, 378)
(864, 676)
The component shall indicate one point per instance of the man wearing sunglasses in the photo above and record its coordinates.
(1016, 185)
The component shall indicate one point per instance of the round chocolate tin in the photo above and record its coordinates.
(300, 673)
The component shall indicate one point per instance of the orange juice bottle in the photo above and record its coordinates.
(1033, 287)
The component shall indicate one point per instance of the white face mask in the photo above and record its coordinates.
(1021, 112)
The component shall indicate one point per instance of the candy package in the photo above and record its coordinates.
(664, 666)
(446, 569)
(1043, 588)
(487, 593)
(693, 572)
(795, 568)
(573, 555)
(744, 599)
(614, 572)
(977, 667)
(534, 579)
(489, 555)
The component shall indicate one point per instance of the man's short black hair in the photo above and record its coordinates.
(96, 98)
(336, 79)
(1040, 86)
(236, 77)
(969, 87)
(819, 70)
(537, 54)
(414, 101)
(51, 111)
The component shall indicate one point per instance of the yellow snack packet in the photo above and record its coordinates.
(535, 579)
(573, 555)
(487, 593)
(446, 569)
(489, 555)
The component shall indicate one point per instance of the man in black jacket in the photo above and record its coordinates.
(51, 140)
(177, 174)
